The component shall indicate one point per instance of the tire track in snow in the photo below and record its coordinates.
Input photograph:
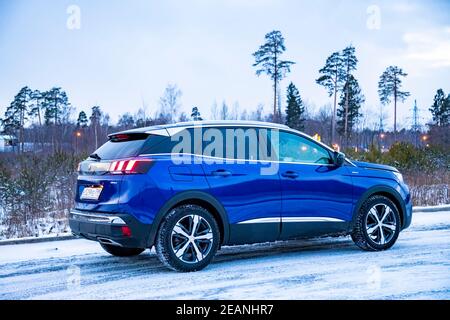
(329, 268)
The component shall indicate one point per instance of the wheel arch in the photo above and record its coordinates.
(389, 193)
(199, 198)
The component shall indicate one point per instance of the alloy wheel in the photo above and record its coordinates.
(192, 238)
(381, 224)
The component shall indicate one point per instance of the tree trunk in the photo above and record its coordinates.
(395, 114)
(55, 146)
(346, 102)
(95, 134)
(275, 83)
(333, 117)
(21, 130)
(275, 115)
(40, 125)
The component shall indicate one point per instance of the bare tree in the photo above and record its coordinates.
(215, 111)
(170, 101)
(224, 113)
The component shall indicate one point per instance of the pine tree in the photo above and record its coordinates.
(126, 121)
(95, 117)
(446, 113)
(349, 107)
(295, 110)
(333, 78)
(36, 106)
(82, 120)
(195, 115)
(268, 61)
(55, 104)
(389, 87)
(441, 108)
(17, 114)
(350, 61)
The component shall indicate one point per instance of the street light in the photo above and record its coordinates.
(77, 136)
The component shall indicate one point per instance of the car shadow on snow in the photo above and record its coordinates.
(272, 249)
(101, 267)
(148, 263)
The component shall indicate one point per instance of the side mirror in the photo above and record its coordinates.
(339, 159)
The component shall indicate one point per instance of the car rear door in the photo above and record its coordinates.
(251, 199)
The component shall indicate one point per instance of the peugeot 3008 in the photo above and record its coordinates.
(189, 188)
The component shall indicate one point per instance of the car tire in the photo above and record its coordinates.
(121, 251)
(377, 224)
(188, 238)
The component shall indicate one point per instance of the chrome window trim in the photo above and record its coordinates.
(235, 160)
(175, 129)
(248, 125)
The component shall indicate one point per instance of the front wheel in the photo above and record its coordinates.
(188, 239)
(121, 251)
(377, 225)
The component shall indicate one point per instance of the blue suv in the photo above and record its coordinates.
(189, 188)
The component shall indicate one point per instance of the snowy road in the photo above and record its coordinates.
(417, 267)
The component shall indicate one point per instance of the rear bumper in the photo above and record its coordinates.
(107, 228)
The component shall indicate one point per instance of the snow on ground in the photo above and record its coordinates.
(417, 267)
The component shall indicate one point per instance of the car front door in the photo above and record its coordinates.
(316, 194)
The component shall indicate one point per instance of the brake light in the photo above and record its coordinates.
(120, 137)
(130, 166)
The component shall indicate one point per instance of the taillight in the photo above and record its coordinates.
(126, 231)
(130, 166)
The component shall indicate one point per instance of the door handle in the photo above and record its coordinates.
(290, 174)
(221, 173)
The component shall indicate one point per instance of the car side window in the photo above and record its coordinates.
(156, 144)
(240, 143)
(295, 148)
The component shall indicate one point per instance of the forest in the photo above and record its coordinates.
(45, 136)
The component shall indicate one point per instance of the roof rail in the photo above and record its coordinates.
(206, 123)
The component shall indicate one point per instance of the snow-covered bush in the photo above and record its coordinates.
(36, 192)
(430, 195)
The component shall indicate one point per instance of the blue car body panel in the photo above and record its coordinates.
(317, 199)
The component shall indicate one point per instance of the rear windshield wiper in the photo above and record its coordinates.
(95, 156)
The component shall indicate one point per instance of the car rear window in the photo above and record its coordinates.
(123, 146)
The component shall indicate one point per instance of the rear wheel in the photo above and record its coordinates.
(121, 251)
(188, 238)
(378, 224)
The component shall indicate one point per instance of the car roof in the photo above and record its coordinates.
(208, 123)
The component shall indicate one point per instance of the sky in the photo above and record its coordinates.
(122, 54)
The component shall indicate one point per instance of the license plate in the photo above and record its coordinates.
(90, 193)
